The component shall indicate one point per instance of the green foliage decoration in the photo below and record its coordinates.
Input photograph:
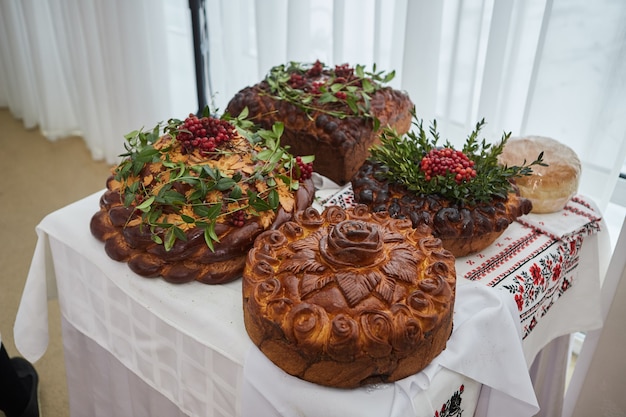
(183, 187)
(400, 156)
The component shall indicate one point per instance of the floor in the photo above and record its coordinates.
(37, 178)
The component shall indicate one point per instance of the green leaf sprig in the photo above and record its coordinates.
(183, 188)
(401, 156)
(334, 93)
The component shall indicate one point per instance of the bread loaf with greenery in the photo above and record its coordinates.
(335, 114)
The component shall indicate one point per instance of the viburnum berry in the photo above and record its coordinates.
(296, 81)
(205, 133)
(238, 218)
(305, 170)
(341, 95)
(344, 71)
(316, 69)
(316, 87)
(447, 160)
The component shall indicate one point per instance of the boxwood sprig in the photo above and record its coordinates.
(401, 157)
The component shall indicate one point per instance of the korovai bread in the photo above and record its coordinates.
(187, 201)
(347, 298)
(333, 113)
(463, 195)
(463, 229)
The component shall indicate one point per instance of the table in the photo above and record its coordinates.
(138, 346)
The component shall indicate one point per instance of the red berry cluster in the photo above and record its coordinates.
(444, 160)
(306, 170)
(315, 87)
(344, 71)
(344, 74)
(296, 81)
(316, 69)
(205, 134)
(238, 218)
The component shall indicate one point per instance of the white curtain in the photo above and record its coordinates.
(98, 69)
(546, 67)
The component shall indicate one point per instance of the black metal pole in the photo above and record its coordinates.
(196, 7)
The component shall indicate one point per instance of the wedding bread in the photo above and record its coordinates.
(187, 205)
(463, 230)
(334, 114)
(347, 298)
(464, 196)
(549, 187)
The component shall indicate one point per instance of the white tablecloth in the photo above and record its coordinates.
(188, 342)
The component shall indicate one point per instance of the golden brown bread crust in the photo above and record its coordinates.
(347, 298)
(340, 145)
(187, 260)
(127, 237)
(548, 187)
(462, 229)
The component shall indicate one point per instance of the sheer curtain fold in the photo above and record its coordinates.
(88, 68)
(298, 30)
(16, 70)
(497, 58)
(271, 33)
(579, 89)
(420, 66)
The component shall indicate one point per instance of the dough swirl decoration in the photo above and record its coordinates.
(346, 298)
(188, 208)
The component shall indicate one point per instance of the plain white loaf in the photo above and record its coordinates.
(548, 187)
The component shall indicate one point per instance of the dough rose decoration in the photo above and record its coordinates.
(220, 181)
(353, 243)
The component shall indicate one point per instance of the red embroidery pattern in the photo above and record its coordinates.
(519, 264)
(504, 256)
(452, 407)
(537, 287)
(581, 213)
(343, 199)
(576, 199)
